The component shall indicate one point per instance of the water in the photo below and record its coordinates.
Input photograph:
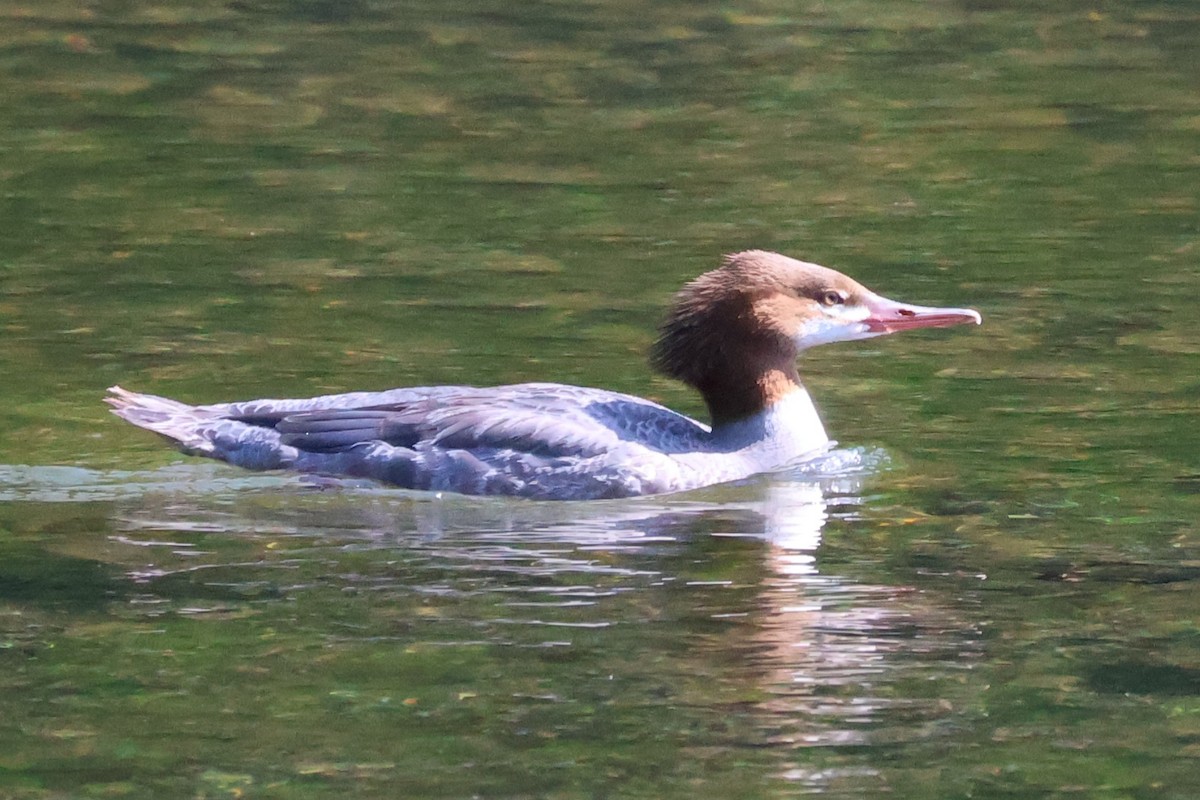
(231, 200)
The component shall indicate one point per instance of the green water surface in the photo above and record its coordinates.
(225, 200)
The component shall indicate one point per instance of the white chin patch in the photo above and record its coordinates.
(837, 324)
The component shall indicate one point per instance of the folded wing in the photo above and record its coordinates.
(547, 420)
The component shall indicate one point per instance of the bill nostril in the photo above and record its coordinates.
(906, 312)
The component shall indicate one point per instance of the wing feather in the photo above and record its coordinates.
(549, 420)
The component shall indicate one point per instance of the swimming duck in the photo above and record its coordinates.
(733, 334)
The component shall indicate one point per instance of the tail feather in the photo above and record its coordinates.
(176, 421)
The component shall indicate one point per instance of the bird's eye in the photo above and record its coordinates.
(832, 297)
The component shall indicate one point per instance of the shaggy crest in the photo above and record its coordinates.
(730, 332)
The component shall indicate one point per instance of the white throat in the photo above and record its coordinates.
(779, 434)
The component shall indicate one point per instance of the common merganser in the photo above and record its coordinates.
(733, 334)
